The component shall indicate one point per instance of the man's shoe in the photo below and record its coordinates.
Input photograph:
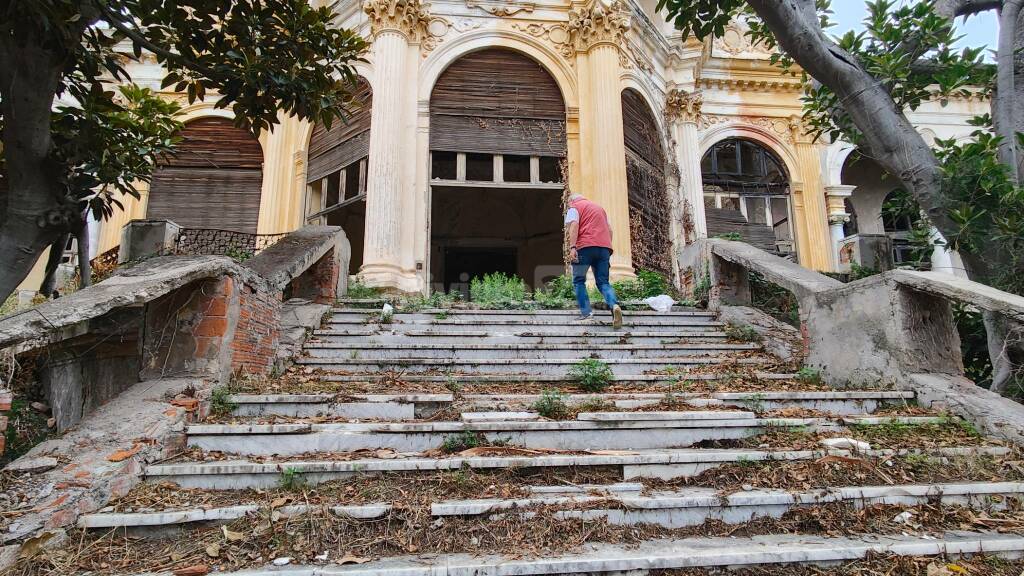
(616, 317)
(584, 317)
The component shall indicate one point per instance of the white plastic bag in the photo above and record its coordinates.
(662, 303)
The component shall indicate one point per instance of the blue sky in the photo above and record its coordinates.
(977, 30)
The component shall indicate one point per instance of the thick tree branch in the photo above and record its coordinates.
(888, 136)
(954, 8)
(1003, 106)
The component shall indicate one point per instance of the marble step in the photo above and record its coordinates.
(410, 406)
(597, 431)
(619, 504)
(665, 554)
(665, 464)
(620, 367)
(373, 335)
(673, 377)
(518, 351)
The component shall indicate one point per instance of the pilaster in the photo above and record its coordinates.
(683, 110)
(837, 216)
(814, 241)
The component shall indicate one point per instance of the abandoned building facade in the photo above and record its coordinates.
(473, 115)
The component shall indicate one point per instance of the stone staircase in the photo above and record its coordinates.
(415, 445)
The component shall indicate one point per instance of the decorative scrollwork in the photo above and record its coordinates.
(603, 21)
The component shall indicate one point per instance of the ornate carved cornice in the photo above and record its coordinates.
(501, 9)
(683, 106)
(410, 17)
(602, 22)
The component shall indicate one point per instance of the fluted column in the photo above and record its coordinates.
(683, 110)
(599, 31)
(395, 24)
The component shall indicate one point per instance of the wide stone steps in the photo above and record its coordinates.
(430, 315)
(593, 431)
(670, 377)
(411, 406)
(620, 367)
(619, 504)
(370, 336)
(629, 465)
(519, 351)
(667, 554)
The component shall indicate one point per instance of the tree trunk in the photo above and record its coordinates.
(84, 266)
(1003, 105)
(49, 285)
(1006, 349)
(29, 222)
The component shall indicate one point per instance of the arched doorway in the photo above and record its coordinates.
(649, 208)
(213, 180)
(747, 195)
(336, 173)
(497, 142)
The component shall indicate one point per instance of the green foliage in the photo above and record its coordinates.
(551, 405)
(591, 374)
(809, 375)
(497, 289)
(702, 290)
(359, 291)
(25, 429)
(646, 285)
(463, 441)
(858, 272)
(734, 236)
(9, 306)
(973, 344)
(594, 404)
(291, 479)
(221, 403)
(557, 293)
(742, 332)
(238, 254)
(437, 299)
(774, 300)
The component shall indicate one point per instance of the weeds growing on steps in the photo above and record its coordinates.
(497, 290)
(741, 333)
(221, 403)
(591, 375)
(359, 291)
(291, 479)
(808, 375)
(551, 405)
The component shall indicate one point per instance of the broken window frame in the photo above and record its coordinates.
(499, 170)
(316, 197)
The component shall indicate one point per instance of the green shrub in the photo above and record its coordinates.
(645, 285)
(594, 405)
(557, 293)
(591, 374)
(463, 441)
(359, 291)
(551, 405)
(809, 375)
(497, 289)
(291, 479)
(741, 332)
(221, 403)
(734, 236)
(774, 300)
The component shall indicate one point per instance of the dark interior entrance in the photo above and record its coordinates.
(462, 264)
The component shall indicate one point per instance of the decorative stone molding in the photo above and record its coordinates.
(434, 32)
(781, 127)
(602, 22)
(835, 198)
(410, 17)
(774, 84)
(735, 41)
(501, 9)
(556, 34)
(683, 106)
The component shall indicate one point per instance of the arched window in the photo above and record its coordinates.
(746, 194)
(649, 209)
(213, 180)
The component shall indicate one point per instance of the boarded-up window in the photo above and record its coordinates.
(649, 209)
(497, 101)
(213, 180)
(345, 142)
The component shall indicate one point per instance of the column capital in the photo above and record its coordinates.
(600, 22)
(407, 17)
(683, 106)
(840, 190)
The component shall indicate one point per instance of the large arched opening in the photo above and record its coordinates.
(336, 172)
(649, 208)
(497, 146)
(213, 180)
(747, 195)
(885, 218)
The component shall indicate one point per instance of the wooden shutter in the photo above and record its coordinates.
(649, 207)
(497, 101)
(346, 141)
(214, 179)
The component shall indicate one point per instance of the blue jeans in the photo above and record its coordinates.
(599, 259)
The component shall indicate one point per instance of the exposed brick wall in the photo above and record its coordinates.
(258, 332)
(320, 283)
(6, 398)
(189, 330)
